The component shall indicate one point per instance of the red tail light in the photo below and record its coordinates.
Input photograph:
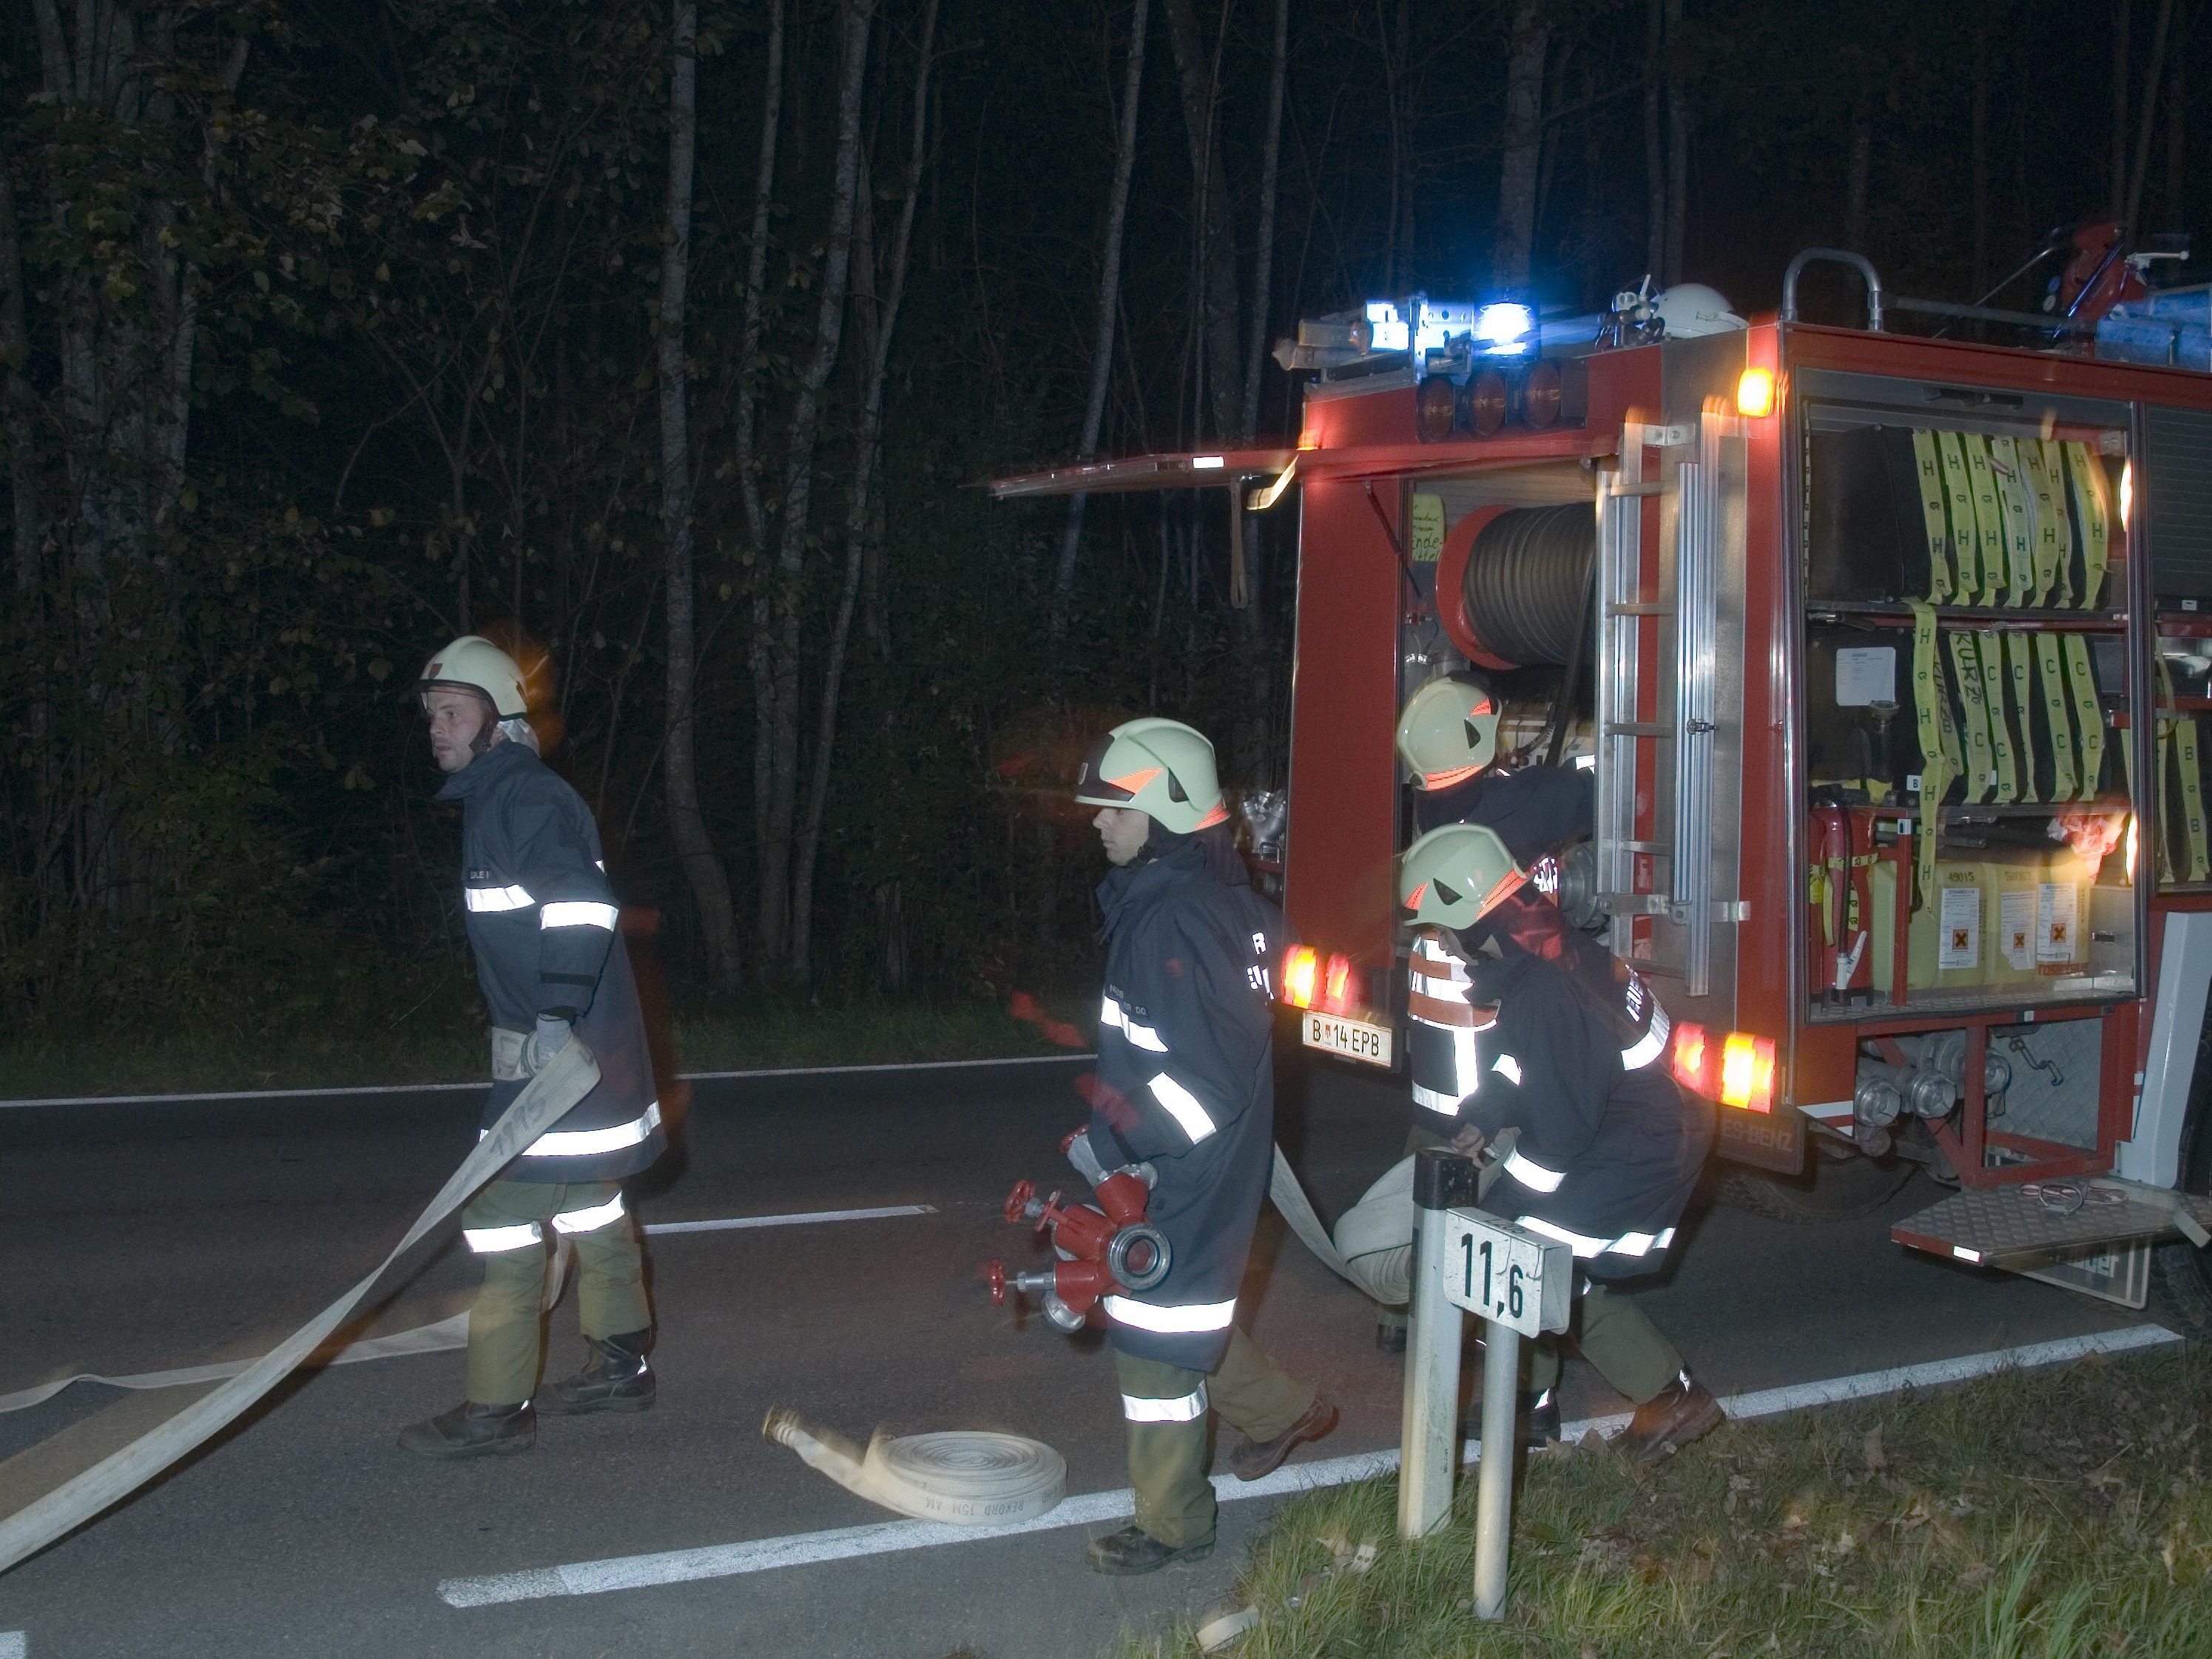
(1301, 975)
(1690, 1058)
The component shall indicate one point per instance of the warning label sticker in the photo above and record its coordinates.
(1958, 928)
(2058, 922)
(2017, 928)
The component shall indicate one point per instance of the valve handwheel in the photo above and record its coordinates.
(1017, 1201)
(995, 1275)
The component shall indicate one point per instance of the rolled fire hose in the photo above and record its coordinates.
(964, 1477)
(570, 1076)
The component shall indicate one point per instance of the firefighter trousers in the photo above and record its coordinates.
(1616, 1336)
(509, 1225)
(1166, 1407)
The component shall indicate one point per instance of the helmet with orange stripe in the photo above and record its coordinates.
(1448, 732)
(1456, 875)
(1159, 767)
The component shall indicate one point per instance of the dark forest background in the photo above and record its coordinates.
(668, 341)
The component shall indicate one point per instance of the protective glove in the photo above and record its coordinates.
(550, 1038)
(1469, 1142)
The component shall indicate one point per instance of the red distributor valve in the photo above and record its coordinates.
(1022, 1204)
(1123, 1195)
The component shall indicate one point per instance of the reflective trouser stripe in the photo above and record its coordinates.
(578, 912)
(491, 1240)
(1171, 1322)
(1182, 1409)
(590, 1220)
(1183, 1106)
(1533, 1174)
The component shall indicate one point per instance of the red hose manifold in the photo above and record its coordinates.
(1106, 1246)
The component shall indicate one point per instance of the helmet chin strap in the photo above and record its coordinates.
(487, 733)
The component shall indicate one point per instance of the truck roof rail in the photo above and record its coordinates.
(1836, 256)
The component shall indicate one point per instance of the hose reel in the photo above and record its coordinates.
(1513, 583)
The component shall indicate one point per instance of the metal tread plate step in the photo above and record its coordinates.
(2007, 1227)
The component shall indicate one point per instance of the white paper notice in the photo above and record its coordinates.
(1958, 928)
(1866, 674)
(2058, 922)
(2016, 928)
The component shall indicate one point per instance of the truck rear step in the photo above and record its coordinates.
(2023, 1225)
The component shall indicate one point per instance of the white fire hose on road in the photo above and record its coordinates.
(570, 1076)
(963, 1478)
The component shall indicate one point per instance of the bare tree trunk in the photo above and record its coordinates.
(687, 825)
(1678, 145)
(1981, 158)
(780, 800)
(2121, 34)
(1515, 232)
(2128, 225)
(881, 320)
(2175, 105)
(1860, 163)
(1109, 300)
(16, 402)
(1263, 257)
(746, 415)
(1196, 73)
(1654, 143)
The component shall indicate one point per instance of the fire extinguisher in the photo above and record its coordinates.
(1841, 902)
(1105, 1248)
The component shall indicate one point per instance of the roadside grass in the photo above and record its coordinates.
(427, 1047)
(2047, 1515)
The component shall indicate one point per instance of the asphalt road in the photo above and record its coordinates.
(137, 1239)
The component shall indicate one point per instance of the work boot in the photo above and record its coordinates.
(1126, 1553)
(1250, 1458)
(616, 1378)
(473, 1430)
(1670, 1420)
(1540, 1412)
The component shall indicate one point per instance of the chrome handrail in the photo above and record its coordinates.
(1839, 256)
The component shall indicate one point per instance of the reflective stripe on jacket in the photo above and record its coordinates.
(541, 923)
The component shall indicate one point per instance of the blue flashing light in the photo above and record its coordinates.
(1505, 328)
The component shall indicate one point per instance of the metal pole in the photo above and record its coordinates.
(1429, 1444)
(1493, 1496)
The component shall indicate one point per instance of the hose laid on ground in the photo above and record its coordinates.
(969, 1477)
(569, 1076)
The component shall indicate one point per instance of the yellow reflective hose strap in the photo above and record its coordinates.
(2017, 504)
(1973, 714)
(2048, 511)
(2177, 731)
(1965, 539)
(2093, 503)
(2019, 683)
(2060, 521)
(1934, 517)
(1939, 743)
(2003, 766)
(1989, 517)
(2088, 713)
(2051, 676)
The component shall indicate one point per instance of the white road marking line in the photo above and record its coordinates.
(844, 1543)
(796, 1219)
(13, 1645)
(444, 1088)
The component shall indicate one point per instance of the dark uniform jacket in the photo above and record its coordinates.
(541, 923)
(1185, 1084)
(1535, 810)
(1573, 1057)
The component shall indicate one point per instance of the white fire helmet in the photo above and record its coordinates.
(1692, 309)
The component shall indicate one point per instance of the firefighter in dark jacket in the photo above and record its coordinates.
(1517, 1022)
(1185, 1084)
(551, 962)
(1448, 739)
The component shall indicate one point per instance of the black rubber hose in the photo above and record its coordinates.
(1527, 586)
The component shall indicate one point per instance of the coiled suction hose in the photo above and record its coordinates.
(1527, 584)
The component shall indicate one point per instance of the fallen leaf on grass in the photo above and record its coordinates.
(1737, 1487)
(1871, 1449)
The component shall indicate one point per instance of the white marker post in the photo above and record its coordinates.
(1429, 1435)
(1519, 1285)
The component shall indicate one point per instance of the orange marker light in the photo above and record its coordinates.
(1301, 969)
(1747, 1072)
(1689, 1058)
(1336, 993)
(1754, 393)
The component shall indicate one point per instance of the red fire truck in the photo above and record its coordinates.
(1892, 655)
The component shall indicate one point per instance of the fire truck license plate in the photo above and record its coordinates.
(1355, 1039)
